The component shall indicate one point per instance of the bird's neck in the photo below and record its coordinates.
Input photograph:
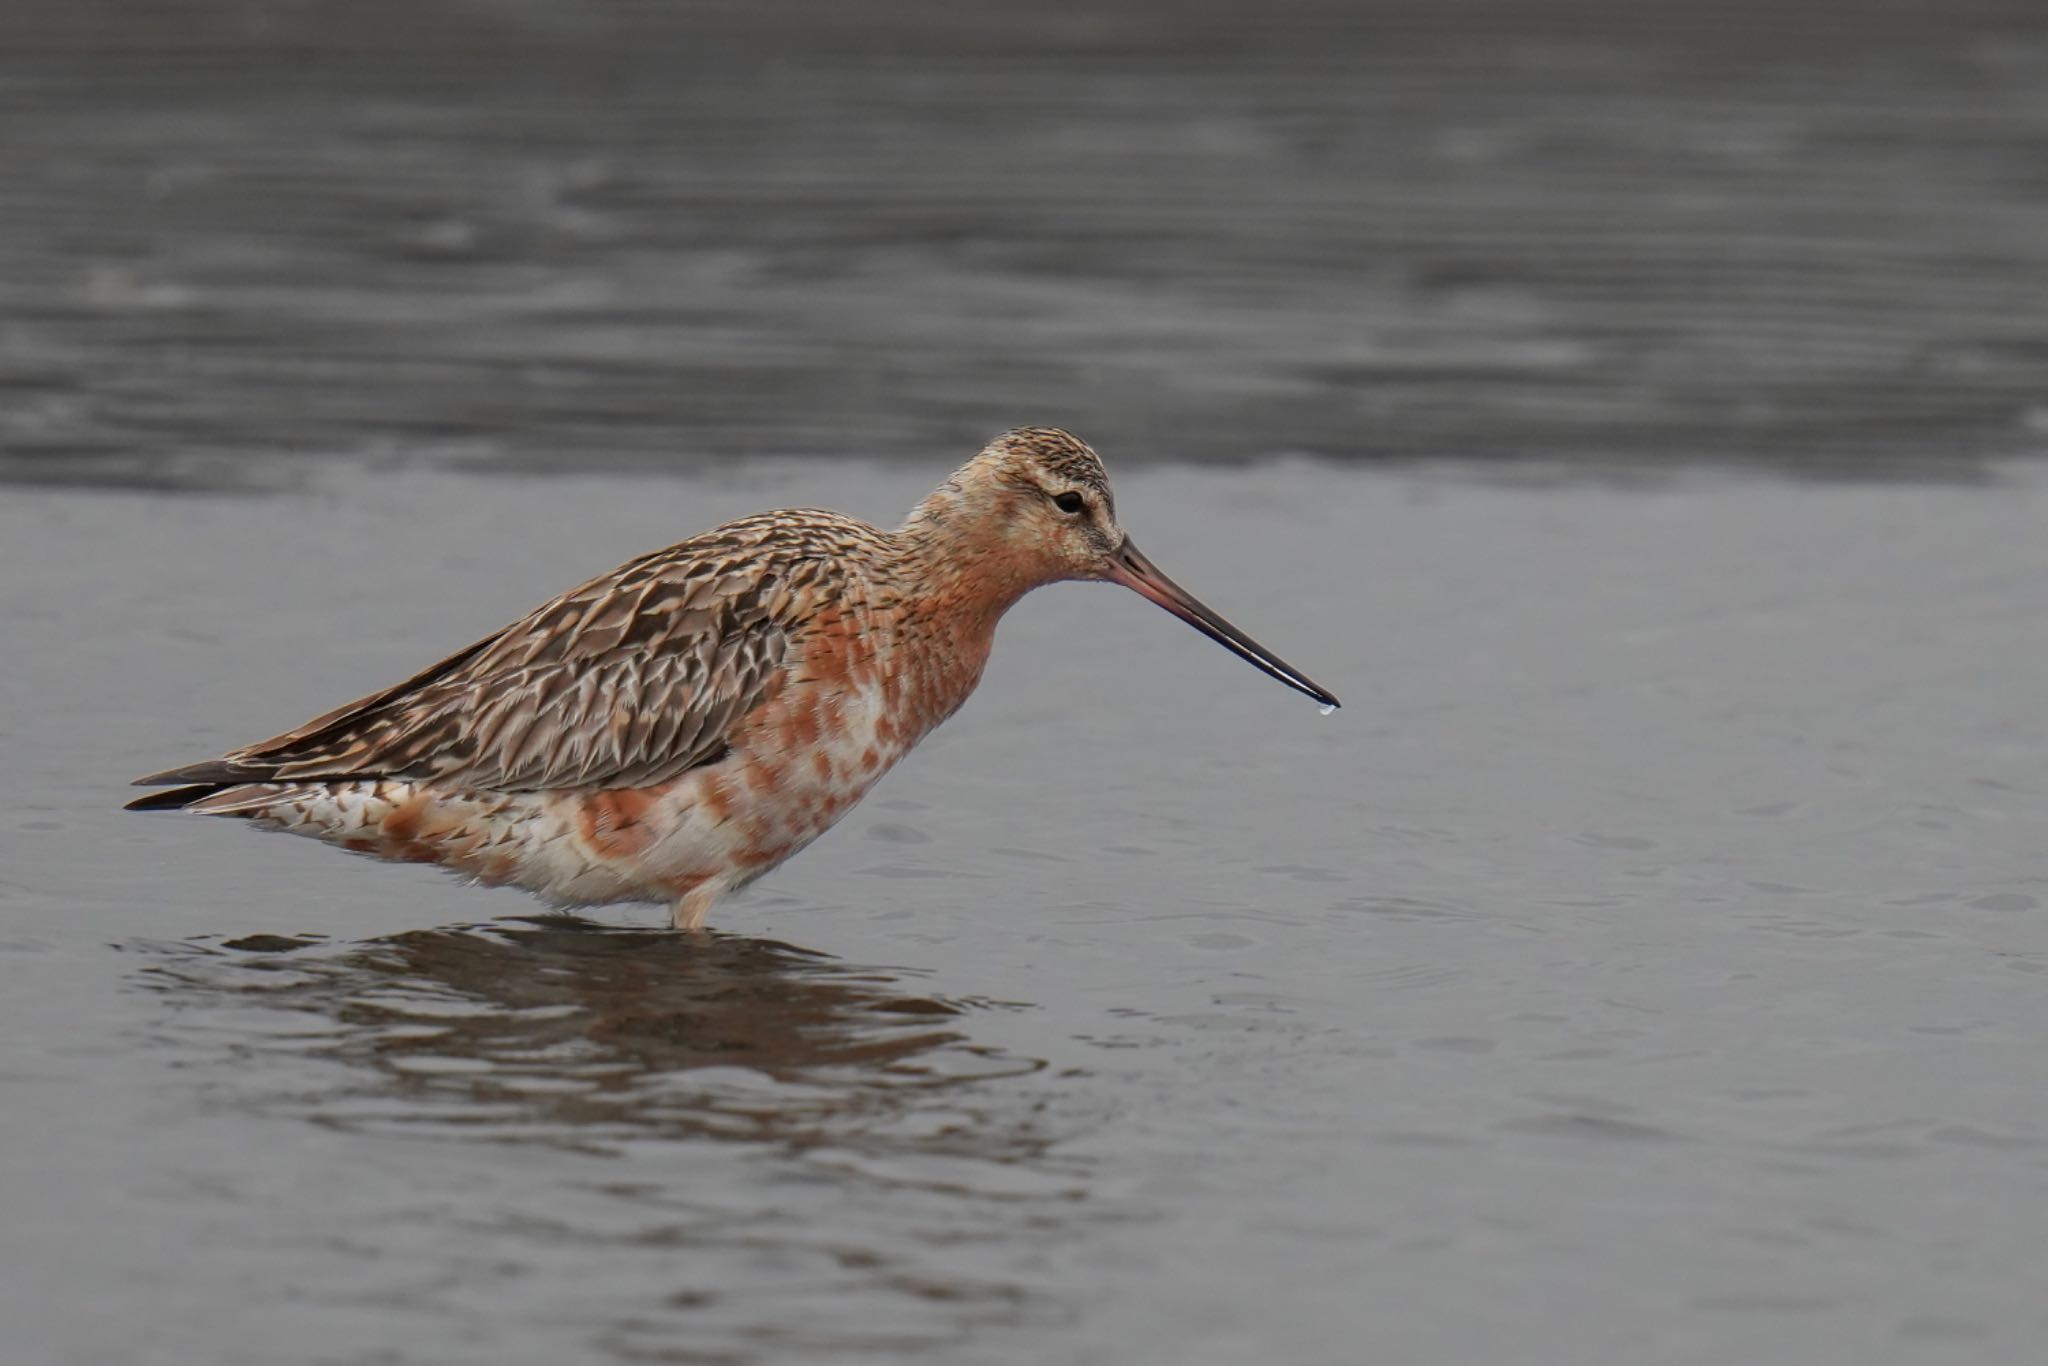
(955, 571)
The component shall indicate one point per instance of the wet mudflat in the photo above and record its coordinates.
(1649, 963)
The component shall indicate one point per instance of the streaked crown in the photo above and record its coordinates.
(1061, 454)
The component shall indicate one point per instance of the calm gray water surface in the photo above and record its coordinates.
(1649, 964)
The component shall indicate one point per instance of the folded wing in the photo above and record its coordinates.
(627, 681)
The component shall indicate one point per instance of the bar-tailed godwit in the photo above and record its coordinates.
(675, 728)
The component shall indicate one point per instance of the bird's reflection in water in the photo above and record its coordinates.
(563, 1031)
(709, 1146)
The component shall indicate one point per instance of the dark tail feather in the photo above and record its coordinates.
(176, 798)
(215, 799)
(213, 772)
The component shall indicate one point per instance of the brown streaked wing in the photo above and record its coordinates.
(627, 681)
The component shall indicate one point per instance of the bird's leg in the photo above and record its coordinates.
(690, 909)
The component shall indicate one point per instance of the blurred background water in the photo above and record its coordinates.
(1627, 408)
(241, 238)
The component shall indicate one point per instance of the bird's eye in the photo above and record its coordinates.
(1070, 501)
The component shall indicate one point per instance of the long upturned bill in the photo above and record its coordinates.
(1131, 569)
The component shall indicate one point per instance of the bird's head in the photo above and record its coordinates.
(1038, 499)
(1035, 507)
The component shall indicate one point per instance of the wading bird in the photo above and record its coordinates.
(672, 730)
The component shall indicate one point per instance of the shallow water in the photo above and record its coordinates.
(1649, 962)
